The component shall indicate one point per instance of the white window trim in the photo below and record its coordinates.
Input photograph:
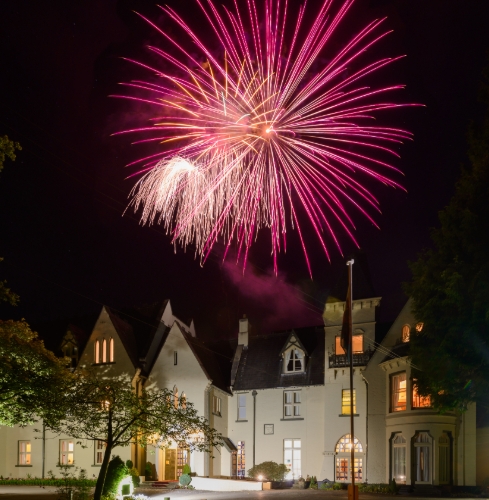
(302, 360)
(67, 452)
(292, 401)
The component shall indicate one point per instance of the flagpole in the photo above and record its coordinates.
(352, 494)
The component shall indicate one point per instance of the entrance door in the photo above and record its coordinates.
(170, 464)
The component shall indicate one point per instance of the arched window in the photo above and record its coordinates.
(422, 457)
(294, 359)
(406, 332)
(111, 350)
(175, 397)
(104, 351)
(96, 355)
(343, 457)
(183, 401)
(399, 458)
(444, 460)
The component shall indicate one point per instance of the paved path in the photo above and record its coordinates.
(49, 493)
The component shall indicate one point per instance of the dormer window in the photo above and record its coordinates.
(294, 361)
(293, 355)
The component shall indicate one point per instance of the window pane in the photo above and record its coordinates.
(338, 349)
(297, 410)
(297, 443)
(398, 388)
(288, 443)
(242, 400)
(297, 397)
(357, 343)
(288, 397)
(288, 411)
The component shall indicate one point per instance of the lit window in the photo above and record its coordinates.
(420, 401)
(96, 355)
(292, 458)
(398, 392)
(104, 351)
(24, 453)
(240, 466)
(241, 406)
(183, 401)
(419, 327)
(66, 452)
(399, 458)
(406, 332)
(294, 361)
(343, 452)
(175, 397)
(346, 402)
(357, 341)
(99, 451)
(292, 404)
(216, 405)
(111, 350)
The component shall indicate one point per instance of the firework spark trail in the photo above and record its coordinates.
(253, 138)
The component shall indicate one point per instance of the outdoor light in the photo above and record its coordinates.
(260, 477)
(125, 488)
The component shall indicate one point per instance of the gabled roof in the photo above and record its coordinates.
(215, 359)
(294, 340)
(261, 365)
(126, 334)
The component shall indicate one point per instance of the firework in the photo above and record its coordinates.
(266, 133)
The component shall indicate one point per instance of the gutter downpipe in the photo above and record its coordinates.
(43, 447)
(366, 431)
(254, 394)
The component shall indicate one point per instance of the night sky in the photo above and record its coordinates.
(66, 245)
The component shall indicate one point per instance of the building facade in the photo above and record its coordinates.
(283, 397)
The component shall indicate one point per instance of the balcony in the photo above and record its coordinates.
(341, 360)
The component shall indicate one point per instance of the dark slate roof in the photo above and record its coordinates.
(215, 358)
(260, 365)
(398, 351)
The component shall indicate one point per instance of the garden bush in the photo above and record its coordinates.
(271, 471)
(116, 471)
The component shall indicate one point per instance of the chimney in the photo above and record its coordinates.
(243, 331)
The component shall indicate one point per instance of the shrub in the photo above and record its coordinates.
(116, 471)
(331, 486)
(186, 469)
(314, 483)
(272, 471)
(185, 480)
(135, 475)
(382, 488)
(129, 464)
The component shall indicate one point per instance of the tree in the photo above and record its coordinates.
(450, 290)
(7, 150)
(112, 411)
(30, 375)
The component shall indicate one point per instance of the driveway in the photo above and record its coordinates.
(49, 493)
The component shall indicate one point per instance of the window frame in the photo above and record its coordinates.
(339, 351)
(67, 452)
(99, 447)
(216, 405)
(24, 457)
(346, 402)
(241, 414)
(289, 357)
(294, 404)
(397, 408)
(416, 399)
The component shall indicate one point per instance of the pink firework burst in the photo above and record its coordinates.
(253, 138)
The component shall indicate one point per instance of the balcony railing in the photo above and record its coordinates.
(341, 360)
